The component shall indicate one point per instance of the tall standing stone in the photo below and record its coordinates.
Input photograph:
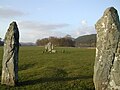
(107, 62)
(10, 57)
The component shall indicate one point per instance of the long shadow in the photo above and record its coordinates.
(26, 66)
(43, 80)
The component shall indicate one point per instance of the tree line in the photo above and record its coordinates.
(66, 41)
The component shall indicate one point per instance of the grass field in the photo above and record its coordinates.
(71, 70)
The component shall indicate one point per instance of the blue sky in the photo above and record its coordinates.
(38, 19)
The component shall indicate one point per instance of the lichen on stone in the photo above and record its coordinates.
(106, 68)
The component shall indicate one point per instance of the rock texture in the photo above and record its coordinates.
(49, 48)
(107, 62)
(10, 57)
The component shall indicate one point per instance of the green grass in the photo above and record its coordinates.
(71, 70)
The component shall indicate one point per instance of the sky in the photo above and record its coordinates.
(37, 19)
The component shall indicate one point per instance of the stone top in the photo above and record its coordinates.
(110, 10)
(12, 32)
(13, 26)
(109, 19)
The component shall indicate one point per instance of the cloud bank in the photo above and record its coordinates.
(6, 12)
(31, 25)
(31, 30)
(83, 29)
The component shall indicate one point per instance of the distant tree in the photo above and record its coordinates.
(42, 42)
(66, 41)
(68, 36)
(54, 40)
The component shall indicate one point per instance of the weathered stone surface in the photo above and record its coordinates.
(10, 57)
(49, 48)
(107, 62)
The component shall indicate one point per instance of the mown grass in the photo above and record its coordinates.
(68, 70)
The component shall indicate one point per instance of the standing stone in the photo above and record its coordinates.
(107, 62)
(49, 48)
(10, 57)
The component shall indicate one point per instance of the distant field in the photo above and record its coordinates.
(71, 70)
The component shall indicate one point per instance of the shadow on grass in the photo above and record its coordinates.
(26, 66)
(44, 80)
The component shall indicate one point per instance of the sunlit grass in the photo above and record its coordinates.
(69, 70)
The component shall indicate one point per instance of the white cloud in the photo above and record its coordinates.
(33, 35)
(31, 25)
(7, 12)
(84, 29)
(31, 31)
(84, 22)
